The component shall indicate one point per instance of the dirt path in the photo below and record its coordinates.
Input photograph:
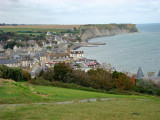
(64, 102)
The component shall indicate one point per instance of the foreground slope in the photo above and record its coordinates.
(19, 92)
(118, 107)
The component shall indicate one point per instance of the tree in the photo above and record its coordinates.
(10, 45)
(26, 75)
(62, 72)
(49, 47)
(100, 79)
(11, 73)
(122, 81)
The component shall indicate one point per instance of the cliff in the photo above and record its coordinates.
(92, 31)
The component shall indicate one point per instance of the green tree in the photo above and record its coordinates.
(10, 45)
(63, 72)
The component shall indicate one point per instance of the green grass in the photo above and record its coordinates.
(116, 109)
(19, 92)
(29, 33)
(121, 107)
(30, 29)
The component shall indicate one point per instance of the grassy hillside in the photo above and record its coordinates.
(19, 92)
(120, 107)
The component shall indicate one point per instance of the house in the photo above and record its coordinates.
(10, 40)
(1, 49)
(66, 35)
(18, 41)
(36, 47)
(48, 33)
(26, 62)
(10, 62)
(31, 42)
(58, 40)
(4, 56)
(9, 51)
(76, 54)
(15, 48)
(41, 57)
(36, 69)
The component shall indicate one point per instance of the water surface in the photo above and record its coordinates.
(129, 51)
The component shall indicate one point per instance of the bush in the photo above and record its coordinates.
(40, 81)
(81, 78)
(100, 79)
(11, 73)
(26, 75)
(147, 86)
(49, 75)
(74, 86)
(122, 81)
(62, 72)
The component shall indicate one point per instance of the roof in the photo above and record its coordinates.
(159, 73)
(139, 73)
(1, 48)
(8, 61)
(58, 38)
(77, 52)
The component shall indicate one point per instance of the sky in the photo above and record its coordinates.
(79, 11)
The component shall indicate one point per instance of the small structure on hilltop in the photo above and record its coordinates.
(139, 73)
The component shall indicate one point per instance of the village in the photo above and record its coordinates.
(55, 49)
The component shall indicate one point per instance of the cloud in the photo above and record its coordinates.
(79, 11)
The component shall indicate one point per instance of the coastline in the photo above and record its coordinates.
(87, 44)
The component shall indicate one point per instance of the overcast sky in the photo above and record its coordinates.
(79, 11)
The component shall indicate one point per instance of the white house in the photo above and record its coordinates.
(48, 33)
(76, 54)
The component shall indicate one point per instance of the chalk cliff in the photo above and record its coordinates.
(92, 31)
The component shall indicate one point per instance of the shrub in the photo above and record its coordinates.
(74, 86)
(26, 75)
(62, 72)
(81, 78)
(100, 79)
(39, 81)
(49, 75)
(147, 86)
(122, 81)
(11, 73)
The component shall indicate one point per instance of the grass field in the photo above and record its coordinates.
(117, 109)
(30, 33)
(42, 28)
(12, 29)
(120, 107)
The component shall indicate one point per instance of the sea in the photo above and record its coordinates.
(127, 52)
